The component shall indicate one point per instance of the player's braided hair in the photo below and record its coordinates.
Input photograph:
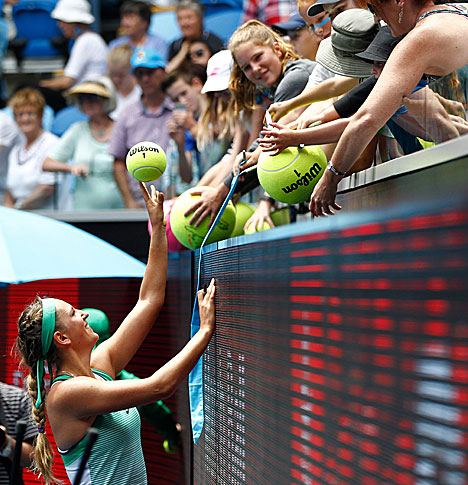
(29, 346)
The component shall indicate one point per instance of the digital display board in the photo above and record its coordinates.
(340, 357)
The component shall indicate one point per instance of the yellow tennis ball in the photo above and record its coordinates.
(146, 161)
(191, 236)
(243, 213)
(252, 228)
(280, 217)
(291, 175)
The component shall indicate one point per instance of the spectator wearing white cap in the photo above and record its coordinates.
(218, 120)
(88, 55)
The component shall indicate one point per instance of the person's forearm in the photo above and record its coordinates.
(176, 61)
(120, 175)
(185, 166)
(58, 83)
(8, 199)
(325, 90)
(26, 452)
(37, 197)
(51, 165)
(170, 376)
(355, 138)
(322, 134)
(153, 286)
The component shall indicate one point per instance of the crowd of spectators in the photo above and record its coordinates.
(203, 100)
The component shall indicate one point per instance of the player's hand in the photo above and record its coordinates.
(208, 205)
(278, 110)
(276, 138)
(154, 205)
(322, 200)
(206, 306)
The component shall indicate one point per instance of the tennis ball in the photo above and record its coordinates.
(252, 229)
(243, 213)
(170, 449)
(280, 217)
(291, 175)
(146, 161)
(191, 236)
(173, 245)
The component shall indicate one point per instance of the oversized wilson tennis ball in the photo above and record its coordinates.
(191, 236)
(280, 217)
(173, 245)
(243, 213)
(291, 175)
(146, 161)
(252, 229)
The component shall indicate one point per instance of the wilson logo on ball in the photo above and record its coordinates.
(291, 176)
(145, 148)
(305, 180)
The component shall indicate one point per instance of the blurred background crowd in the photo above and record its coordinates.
(197, 78)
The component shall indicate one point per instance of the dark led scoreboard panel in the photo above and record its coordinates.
(340, 357)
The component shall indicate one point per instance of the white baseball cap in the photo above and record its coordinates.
(218, 71)
(73, 11)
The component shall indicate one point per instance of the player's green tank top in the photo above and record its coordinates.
(117, 456)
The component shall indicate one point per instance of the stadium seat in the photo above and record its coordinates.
(223, 22)
(221, 17)
(164, 24)
(35, 29)
(65, 118)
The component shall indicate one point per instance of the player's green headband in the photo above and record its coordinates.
(47, 333)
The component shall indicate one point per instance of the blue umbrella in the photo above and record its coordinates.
(34, 247)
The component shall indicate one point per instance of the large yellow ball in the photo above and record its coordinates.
(252, 229)
(280, 217)
(243, 213)
(146, 161)
(191, 236)
(291, 175)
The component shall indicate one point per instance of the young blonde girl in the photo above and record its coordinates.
(266, 70)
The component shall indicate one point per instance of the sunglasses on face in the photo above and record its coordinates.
(93, 98)
(197, 53)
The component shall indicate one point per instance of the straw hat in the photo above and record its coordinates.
(101, 86)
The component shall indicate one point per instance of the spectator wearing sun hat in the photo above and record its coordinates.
(88, 55)
(352, 32)
(144, 120)
(86, 144)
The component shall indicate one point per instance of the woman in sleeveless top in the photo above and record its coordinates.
(85, 392)
(435, 45)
